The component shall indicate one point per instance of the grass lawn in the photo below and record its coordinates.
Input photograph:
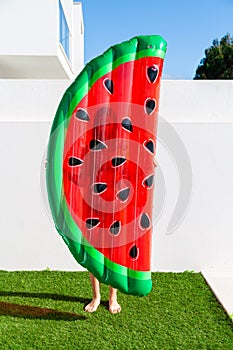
(44, 310)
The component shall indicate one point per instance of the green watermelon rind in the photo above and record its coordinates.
(114, 274)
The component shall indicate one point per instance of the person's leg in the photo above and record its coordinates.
(96, 295)
(114, 307)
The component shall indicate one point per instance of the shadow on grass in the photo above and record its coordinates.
(32, 312)
(52, 296)
(27, 311)
(44, 296)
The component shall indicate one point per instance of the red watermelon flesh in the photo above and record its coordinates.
(108, 166)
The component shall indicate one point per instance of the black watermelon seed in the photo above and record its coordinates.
(115, 228)
(150, 106)
(133, 253)
(152, 73)
(96, 145)
(109, 85)
(82, 115)
(145, 221)
(123, 194)
(118, 161)
(74, 161)
(149, 181)
(126, 124)
(150, 146)
(99, 187)
(90, 223)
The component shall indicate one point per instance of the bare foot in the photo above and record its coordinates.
(93, 305)
(114, 307)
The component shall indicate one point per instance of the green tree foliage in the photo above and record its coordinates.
(218, 61)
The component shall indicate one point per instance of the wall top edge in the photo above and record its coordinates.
(180, 101)
(173, 81)
(204, 81)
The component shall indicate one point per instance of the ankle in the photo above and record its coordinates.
(96, 297)
(112, 300)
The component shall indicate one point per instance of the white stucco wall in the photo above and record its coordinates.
(201, 114)
(29, 27)
(30, 47)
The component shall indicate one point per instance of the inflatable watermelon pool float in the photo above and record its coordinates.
(100, 163)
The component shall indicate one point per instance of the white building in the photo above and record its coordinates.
(41, 52)
(41, 39)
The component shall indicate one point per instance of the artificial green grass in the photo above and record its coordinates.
(44, 310)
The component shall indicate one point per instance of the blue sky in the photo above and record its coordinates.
(188, 26)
